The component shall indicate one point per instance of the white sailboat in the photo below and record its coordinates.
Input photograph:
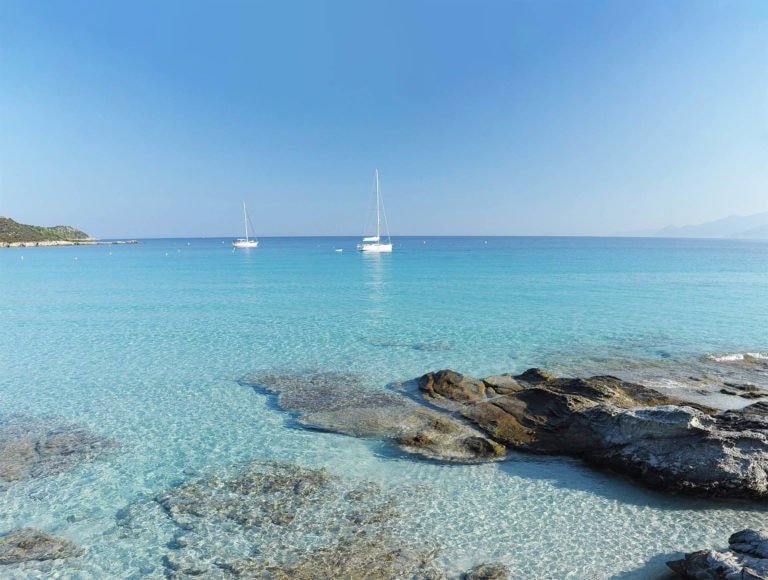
(374, 244)
(245, 242)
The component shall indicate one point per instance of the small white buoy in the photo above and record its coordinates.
(166, 253)
(22, 257)
(76, 257)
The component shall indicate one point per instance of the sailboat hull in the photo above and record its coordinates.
(245, 244)
(375, 248)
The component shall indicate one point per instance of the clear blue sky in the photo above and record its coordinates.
(550, 117)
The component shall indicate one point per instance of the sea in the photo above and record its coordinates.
(147, 344)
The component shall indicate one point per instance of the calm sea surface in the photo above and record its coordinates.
(146, 343)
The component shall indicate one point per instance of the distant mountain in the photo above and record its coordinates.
(753, 227)
(13, 231)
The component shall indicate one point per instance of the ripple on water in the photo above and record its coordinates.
(147, 350)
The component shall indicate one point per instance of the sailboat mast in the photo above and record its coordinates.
(245, 221)
(378, 212)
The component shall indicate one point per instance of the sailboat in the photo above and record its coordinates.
(245, 242)
(374, 244)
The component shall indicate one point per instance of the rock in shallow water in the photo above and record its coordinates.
(279, 521)
(746, 559)
(661, 441)
(338, 402)
(34, 447)
(27, 544)
(494, 571)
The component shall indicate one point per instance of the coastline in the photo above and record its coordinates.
(52, 243)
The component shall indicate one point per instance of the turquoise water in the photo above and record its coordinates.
(146, 344)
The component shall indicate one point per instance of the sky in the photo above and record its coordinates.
(549, 117)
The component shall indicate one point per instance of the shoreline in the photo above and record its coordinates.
(53, 243)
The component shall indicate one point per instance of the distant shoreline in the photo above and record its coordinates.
(51, 243)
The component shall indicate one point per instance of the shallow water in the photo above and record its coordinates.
(145, 344)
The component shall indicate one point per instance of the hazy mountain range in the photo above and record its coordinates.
(753, 227)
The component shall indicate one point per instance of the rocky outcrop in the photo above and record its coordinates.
(745, 559)
(659, 440)
(533, 411)
(31, 447)
(27, 544)
(656, 439)
(339, 403)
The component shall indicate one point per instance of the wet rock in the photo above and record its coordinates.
(339, 403)
(32, 447)
(659, 440)
(536, 376)
(27, 544)
(504, 384)
(536, 414)
(745, 559)
(745, 387)
(744, 390)
(682, 449)
(277, 520)
(451, 385)
(493, 571)
(760, 408)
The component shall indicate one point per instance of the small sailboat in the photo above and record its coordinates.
(374, 244)
(245, 242)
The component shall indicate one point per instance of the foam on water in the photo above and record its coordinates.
(147, 350)
(739, 356)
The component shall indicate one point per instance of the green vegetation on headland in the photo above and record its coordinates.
(12, 231)
(16, 235)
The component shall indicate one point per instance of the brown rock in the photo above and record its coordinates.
(535, 376)
(451, 385)
(502, 384)
(27, 544)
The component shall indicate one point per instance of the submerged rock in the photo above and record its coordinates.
(277, 520)
(32, 447)
(744, 390)
(494, 571)
(349, 558)
(657, 439)
(339, 403)
(746, 559)
(27, 544)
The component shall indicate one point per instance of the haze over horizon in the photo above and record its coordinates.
(488, 118)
